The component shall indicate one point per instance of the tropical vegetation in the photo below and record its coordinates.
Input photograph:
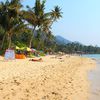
(77, 48)
(31, 26)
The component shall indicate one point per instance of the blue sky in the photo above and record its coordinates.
(80, 22)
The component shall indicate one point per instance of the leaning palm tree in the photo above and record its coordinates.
(50, 18)
(30, 17)
(35, 16)
(39, 19)
(10, 19)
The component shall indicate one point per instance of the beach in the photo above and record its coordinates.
(54, 78)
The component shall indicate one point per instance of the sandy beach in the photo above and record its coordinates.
(55, 78)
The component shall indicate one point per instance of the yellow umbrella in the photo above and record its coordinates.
(17, 48)
(22, 48)
(28, 49)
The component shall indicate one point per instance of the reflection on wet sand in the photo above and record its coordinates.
(94, 77)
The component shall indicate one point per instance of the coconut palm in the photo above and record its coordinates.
(56, 13)
(10, 19)
(50, 18)
(39, 19)
(35, 16)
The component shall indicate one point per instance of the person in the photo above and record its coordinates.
(38, 60)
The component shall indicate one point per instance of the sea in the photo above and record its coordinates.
(94, 77)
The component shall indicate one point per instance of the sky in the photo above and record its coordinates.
(80, 21)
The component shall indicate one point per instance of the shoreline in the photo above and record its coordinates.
(56, 78)
(95, 82)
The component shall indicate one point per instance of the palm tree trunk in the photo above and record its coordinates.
(3, 41)
(9, 41)
(38, 47)
(30, 43)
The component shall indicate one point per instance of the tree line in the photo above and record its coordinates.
(78, 48)
(32, 26)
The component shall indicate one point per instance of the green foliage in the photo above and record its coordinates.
(10, 19)
(56, 13)
(40, 19)
(19, 44)
(42, 54)
(14, 30)
(76, 47)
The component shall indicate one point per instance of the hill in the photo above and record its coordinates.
(61, 40)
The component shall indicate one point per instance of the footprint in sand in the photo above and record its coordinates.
(27, 91)
(6, 96)
(16, 82)
(13, 93)
(1, 83)
(1, 89)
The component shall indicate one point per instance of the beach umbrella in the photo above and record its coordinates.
(33, 50)
(28, 49)
(22, 48)
(17, 48)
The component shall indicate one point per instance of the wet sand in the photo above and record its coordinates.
(56, 78)
(94, 77)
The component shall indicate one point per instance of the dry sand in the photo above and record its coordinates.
(63, 78)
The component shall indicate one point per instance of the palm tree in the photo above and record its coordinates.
(50, 18)
(39, 19)
(34, 16)
(30, 17)
(56, 13)
(10, 19)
